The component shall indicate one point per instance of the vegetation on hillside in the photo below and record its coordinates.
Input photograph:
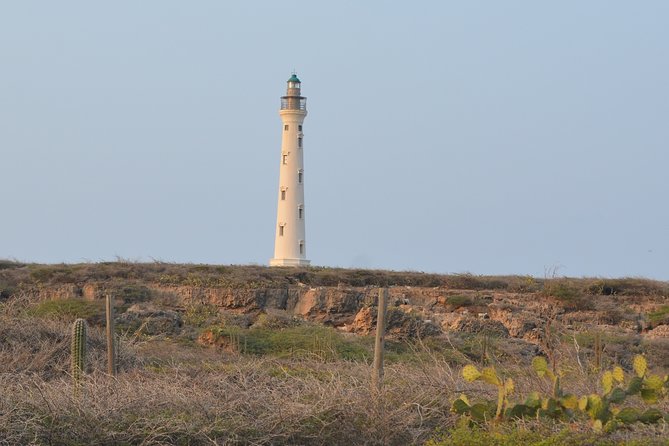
(16, 274)
(270, 378)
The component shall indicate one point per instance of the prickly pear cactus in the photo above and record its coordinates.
(78, 349)
(480, 411)
(605, 409)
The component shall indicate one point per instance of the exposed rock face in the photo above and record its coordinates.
(67, 291)
(364, 321)
(246, 299)
(403, 324)
(210, 338)
(400, 323)
(332, 306)
(92, 291)
(518, 324)
(470, 324)
(414, 311)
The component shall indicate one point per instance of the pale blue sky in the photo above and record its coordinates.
(489, 137)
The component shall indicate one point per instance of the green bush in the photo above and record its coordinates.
(465, 436)
(53, 273)
(276, 321)
(517, 435)
(132, 293)
(629, 286)
(458, 301)
(659, 316)
(200, 315)
(568, 293)
(68, 309)
(307, 341)
(471, 282)
(9, 264)
(6, 290)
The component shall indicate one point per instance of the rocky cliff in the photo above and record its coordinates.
(520, 307)
(414, 311)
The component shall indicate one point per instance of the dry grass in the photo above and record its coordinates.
(15, 275)
(218, 399)
(170, 391)
(249, 401)
(254, 401)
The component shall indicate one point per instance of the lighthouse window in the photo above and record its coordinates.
(300, 173)
(283, 194)
(301, 246)
(285, 127)
(284, 158)
(281, 230)
(299, 142)
(300, 212)
(299, 127)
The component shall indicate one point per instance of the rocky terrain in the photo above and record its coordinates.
(254, 355)
(522, 308)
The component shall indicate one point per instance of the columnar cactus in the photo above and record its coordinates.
(78, 349)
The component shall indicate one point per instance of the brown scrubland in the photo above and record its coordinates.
(253, 355)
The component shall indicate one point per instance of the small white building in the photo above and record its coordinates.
(290, 247)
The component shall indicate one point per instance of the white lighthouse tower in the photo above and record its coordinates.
(290, 247)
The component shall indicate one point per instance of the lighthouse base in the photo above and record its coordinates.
(289, 262)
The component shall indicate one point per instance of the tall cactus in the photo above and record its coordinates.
(78, 349)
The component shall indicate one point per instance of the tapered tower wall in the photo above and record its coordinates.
(290, 248)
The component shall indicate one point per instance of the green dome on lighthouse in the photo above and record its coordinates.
(294, 78)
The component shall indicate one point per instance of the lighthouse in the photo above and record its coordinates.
(290, 248)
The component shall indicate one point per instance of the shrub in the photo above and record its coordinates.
(255, 276)
(69, 309)
(276, 321)
(306, 341)
(614, 316)
(132, 293)
(567, 293)
(10, 264)
(200, 315)
(53, 273)
(659, 316)
(458, 301)
(523, 284)
(628, 286)
(464, 435)
(6, 290)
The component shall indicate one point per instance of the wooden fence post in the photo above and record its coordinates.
(111, 354)
(377, 374)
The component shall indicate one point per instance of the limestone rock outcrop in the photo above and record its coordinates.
(413, 311)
